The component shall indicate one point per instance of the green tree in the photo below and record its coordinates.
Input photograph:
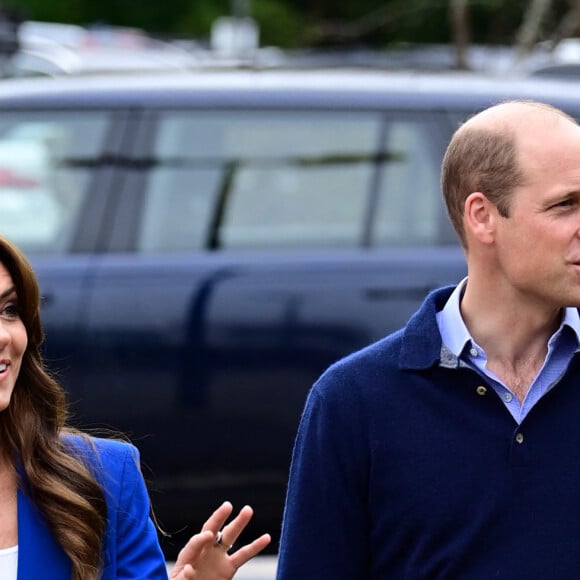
(291, 23)
(280, 23)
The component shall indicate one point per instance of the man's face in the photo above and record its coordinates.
(538, 245)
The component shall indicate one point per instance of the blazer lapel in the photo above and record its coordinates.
(39, 555)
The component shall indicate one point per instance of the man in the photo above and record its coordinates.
(451, 449)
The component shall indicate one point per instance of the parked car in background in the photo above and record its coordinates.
(207, 244)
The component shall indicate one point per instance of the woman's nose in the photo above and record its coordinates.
(5, 336)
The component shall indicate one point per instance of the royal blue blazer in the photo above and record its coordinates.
(131, 546)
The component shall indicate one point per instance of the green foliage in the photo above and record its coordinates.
(66, 11)
(199, 16)
(292, 23)
(280, 25)
(152, 15)
(495, 21)
(419, 21)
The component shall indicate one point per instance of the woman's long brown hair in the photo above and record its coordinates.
(31, 429)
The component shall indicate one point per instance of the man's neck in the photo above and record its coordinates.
(513, 334)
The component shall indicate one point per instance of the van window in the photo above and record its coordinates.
(264, 180)
(409, 207)
(293, 179)
(44, 174)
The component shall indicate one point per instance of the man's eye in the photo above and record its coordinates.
(565, 203)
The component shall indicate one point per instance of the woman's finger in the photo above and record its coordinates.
(218, 518)
(231, 532)
(191, 552)
(241, 556)
(186, 574)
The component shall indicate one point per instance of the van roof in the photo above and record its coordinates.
(276, 88)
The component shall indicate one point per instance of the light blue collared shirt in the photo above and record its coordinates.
(561, 348)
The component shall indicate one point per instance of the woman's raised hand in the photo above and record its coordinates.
(208, 556)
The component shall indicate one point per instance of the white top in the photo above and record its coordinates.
(8, 563)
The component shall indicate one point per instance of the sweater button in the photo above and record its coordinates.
(520, 438)
(481, 390)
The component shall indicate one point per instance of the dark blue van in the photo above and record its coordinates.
(208, 243)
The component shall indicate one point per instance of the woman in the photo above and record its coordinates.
(75, 506)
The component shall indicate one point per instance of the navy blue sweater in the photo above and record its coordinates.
(405, 469)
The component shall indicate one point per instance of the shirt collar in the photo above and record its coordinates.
(571, 319)
(455, 335)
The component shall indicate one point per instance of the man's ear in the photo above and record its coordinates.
(479, 216)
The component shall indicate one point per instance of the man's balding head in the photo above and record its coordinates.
(484, 154)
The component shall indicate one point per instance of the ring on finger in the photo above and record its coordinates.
(219, 541)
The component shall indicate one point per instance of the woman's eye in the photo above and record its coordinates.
(11, 311)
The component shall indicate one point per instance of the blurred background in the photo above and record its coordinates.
(495, 35)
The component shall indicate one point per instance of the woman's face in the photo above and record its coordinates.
(13, 337)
